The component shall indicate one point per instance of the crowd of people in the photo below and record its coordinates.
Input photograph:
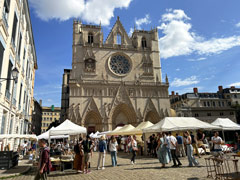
(165, 146)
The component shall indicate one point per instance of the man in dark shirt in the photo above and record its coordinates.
(44, 165)
(180, 146)
(87, 148)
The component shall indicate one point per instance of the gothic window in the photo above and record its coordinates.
(90, 38)
(144, 42)
(120, 65)
(90, 65)
(119, 39)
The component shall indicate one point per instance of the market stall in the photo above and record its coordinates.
(67, 128)
(121, 130)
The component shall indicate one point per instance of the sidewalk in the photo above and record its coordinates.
(23, 167)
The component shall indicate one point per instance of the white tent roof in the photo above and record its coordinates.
(122, 130)
(96, 135)
(18, 136)
(45, 135)
(68, 128)
(179, 124)
(138, 130)
(226, 124)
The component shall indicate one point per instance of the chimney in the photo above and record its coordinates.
(220, 88)
(195, 90)
(40, 102)
(232, 87)
(173, 93)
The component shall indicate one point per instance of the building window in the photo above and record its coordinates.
(196, 115)
(90, 38)
(221, 113)
(236, 102)
(214, 104)
(209, 114)
(2, 49)
(3, 123)
(144, 42)
(119, 39)
(229, 103)
(208, 104)
(50, 118)
(223, 104)
(219, 104)
(14, 29)
(19, 46)
(204, 104)
(10, 66)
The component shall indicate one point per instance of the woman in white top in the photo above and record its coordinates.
(191, 158)
(113, 150)
(133, 145)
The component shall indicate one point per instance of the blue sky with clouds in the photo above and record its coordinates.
(199, 40)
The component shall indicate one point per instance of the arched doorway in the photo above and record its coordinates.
(153, 117)
(93, 122)
(122, 115)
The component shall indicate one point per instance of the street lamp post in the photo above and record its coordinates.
(14, 74)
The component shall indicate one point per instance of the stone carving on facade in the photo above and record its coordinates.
(77, 113)
(135, 42)
(147, 65)
(89, 60)
(92, 106)
(150, 107)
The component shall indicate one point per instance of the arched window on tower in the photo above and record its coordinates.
(90, 38)
(119, 39)
(144, 42)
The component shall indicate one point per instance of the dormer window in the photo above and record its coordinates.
(144, 42)
(90, 38)
(119, 39)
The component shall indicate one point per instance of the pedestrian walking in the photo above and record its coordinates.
(87, 145)
(44, 164)
(191, 159)
(133, 146)
(217, 145)
(168, 146)
(113, 150)
(173, 145)
(194, 144)
(180, 146)
(78, 163)
(162, 150)
(102, 148)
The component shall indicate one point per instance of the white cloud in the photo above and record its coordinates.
(140, 22)
(179, 39)
(235, 84)
(91, 11)
(130, 32)
(178, 69)
(177, 82)
(238, 24)
(198, 59)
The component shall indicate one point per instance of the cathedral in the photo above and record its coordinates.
(114, 82)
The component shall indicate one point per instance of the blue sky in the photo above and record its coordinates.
(199, 40)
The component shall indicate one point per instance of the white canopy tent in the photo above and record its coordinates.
(18, 136)
(139, 129)
(121, 130)
(45, 135)
(226, 124)
(179, 124)
(96, 135)
(68, 128)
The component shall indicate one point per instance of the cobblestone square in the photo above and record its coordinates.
(145, 168)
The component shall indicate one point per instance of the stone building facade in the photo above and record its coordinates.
(49, 115)
(204, 106)
(17, 50)
(117, 81)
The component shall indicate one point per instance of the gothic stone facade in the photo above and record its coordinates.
(118, 81)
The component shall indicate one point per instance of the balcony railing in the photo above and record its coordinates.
(8, 94)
